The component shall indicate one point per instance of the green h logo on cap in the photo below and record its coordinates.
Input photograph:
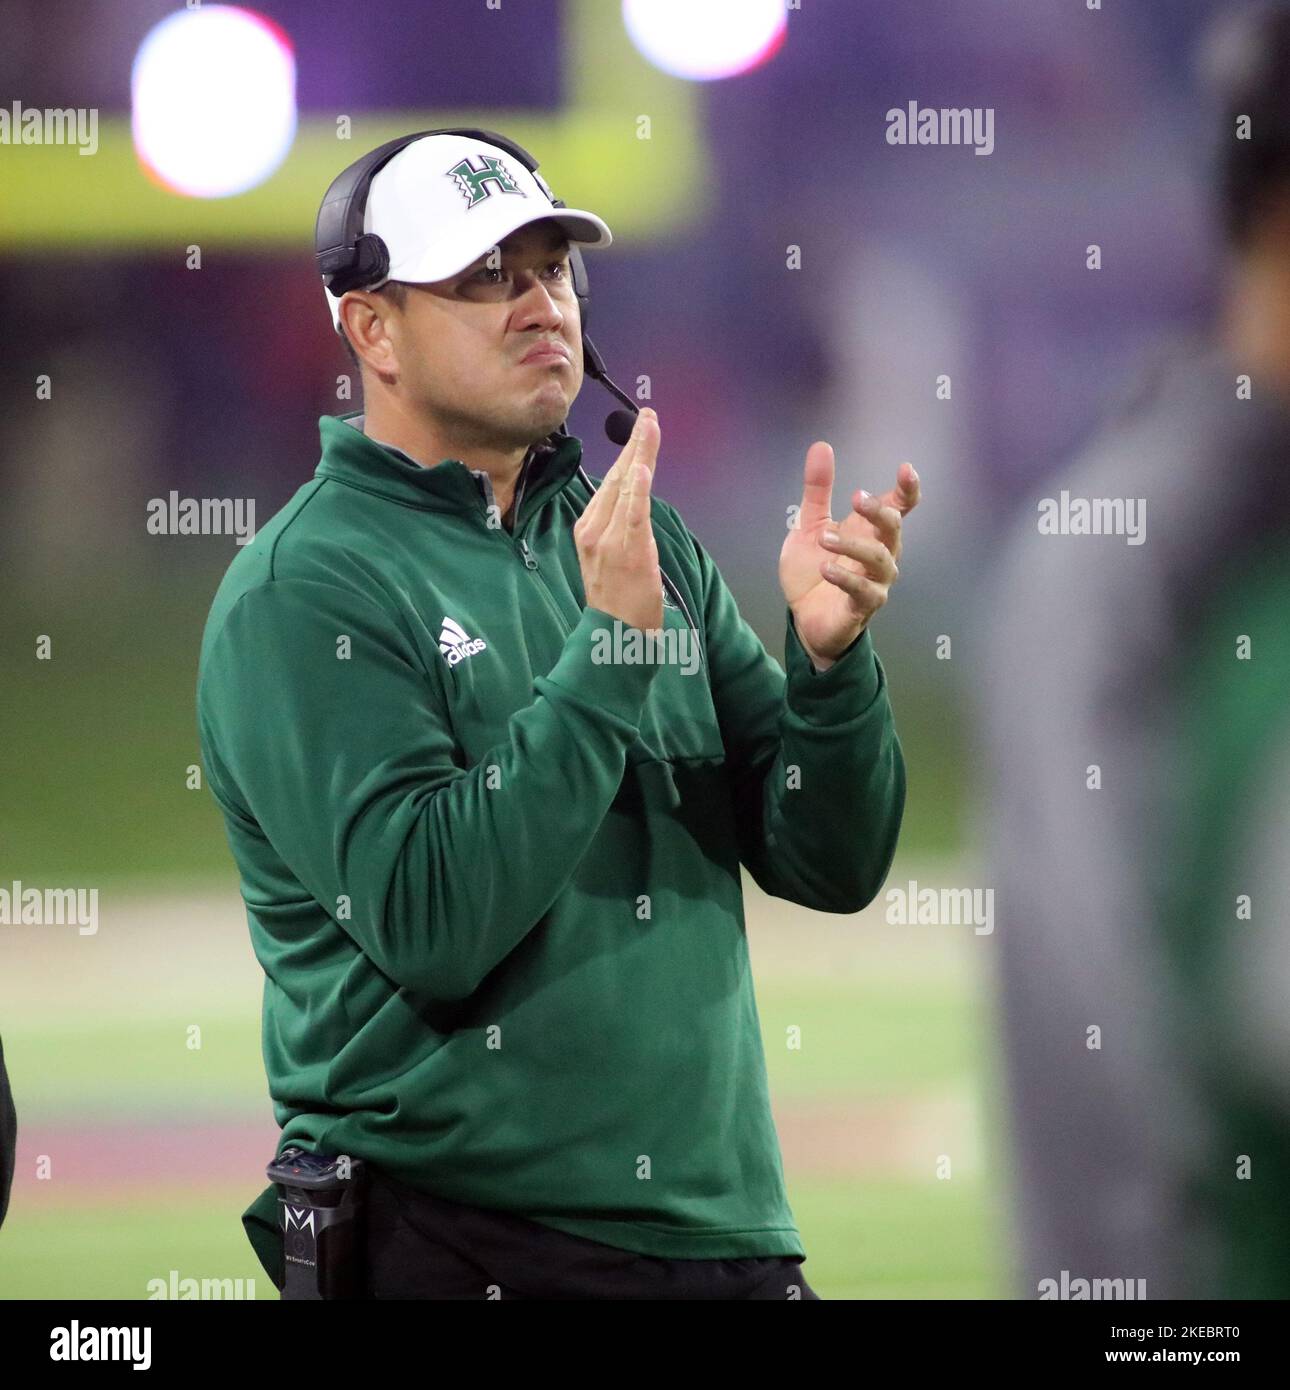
(473, 182)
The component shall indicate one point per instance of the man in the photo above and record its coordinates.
(1138, 801)
(491, 859)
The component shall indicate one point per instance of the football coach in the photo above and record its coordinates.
(491, 741)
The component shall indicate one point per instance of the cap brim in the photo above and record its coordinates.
(436, 263)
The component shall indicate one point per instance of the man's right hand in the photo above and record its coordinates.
(616, 548)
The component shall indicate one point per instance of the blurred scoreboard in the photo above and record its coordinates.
(223, 125)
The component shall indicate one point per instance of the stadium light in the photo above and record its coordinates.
(706, 39)
(213, 101)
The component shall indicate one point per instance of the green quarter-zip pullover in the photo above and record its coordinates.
(491, 865)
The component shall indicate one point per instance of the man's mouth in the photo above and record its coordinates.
(546, 355)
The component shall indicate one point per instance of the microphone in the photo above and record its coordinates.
(619, 425)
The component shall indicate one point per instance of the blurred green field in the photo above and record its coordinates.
(895, 1069)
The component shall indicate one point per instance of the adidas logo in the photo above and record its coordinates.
(455, 645)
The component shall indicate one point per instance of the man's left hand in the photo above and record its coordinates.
(836, 575)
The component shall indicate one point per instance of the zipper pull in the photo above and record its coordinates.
(529, 561)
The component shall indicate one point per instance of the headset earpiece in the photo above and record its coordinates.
(371, 261)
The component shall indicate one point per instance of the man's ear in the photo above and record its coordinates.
(363, 317)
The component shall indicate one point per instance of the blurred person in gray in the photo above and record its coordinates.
(1137, 718)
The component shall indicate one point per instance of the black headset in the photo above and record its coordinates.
(350, 259)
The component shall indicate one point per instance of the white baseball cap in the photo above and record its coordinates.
(445, 200)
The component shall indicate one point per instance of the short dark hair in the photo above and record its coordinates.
(397, 293)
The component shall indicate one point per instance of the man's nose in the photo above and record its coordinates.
(535, 306)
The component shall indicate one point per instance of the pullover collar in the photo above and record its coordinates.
(352, 457)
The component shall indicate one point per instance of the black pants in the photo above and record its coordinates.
(419, 1246)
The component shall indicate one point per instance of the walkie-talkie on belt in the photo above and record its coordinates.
(321, 1198)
